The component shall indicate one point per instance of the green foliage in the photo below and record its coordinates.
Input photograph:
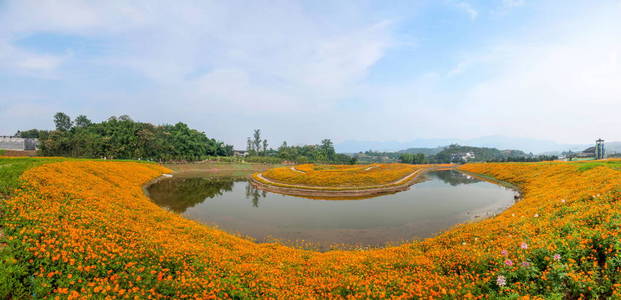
(424, 151)
(581, 261)
(409, 158)
(323, 153)
(123, 138)
(62, 121)
(459, 154)
(12, 168)
(588, 165)
(377, 157)
(32, 133)
(257, 146)
(82, 121)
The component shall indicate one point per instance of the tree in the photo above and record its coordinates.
(327, 148)
(409, 158)
(264, 147)
(82, 121)
(62, 122)
(257, 141)
(32, 133)
(249, 147)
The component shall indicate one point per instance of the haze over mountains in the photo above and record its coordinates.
(534, 146)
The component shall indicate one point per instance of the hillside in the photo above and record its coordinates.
(457, 153)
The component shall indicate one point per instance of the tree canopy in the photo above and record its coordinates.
(123, 138)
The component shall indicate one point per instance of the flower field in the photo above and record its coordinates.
(339, 176)
(83, 229)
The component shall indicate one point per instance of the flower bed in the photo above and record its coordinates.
(84, 229)
(342, 177)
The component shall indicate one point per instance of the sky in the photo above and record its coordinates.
(306, 70)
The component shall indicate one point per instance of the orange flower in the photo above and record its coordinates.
(90, 220)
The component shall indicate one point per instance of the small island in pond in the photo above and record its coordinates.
(339, 181)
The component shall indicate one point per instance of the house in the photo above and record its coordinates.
(240, 153)
(462, 156)
(17, 143)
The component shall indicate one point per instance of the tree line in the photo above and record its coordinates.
(322, 153)
(123, 138)
(462, 154)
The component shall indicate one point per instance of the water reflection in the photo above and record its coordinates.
(453, 177)
(254, 194)
(178, 194)
(445, 199)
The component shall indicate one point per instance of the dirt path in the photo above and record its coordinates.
(296, 170)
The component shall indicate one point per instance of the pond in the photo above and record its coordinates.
(444, 199)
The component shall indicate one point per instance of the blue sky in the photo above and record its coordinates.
(303, 71)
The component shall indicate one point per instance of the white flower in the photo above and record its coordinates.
(501, 281)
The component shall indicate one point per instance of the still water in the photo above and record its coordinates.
(446, 198)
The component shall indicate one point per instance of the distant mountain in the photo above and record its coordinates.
(527, 145)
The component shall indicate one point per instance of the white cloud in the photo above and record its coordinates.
(468, 9)
(27, 63)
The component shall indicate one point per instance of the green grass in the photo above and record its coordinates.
(1, 152)
(12, 168)
(613, 164)
(10, 171)
(585, 165)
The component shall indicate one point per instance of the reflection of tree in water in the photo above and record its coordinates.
(254, 195)
(178, 194)
(454, 178)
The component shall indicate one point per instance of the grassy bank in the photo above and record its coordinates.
(84, 229)
(12, 168)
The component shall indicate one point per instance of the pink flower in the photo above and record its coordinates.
(524, 245)
(504, 253)
(557, 257)
(525, 264)
(508, 262)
